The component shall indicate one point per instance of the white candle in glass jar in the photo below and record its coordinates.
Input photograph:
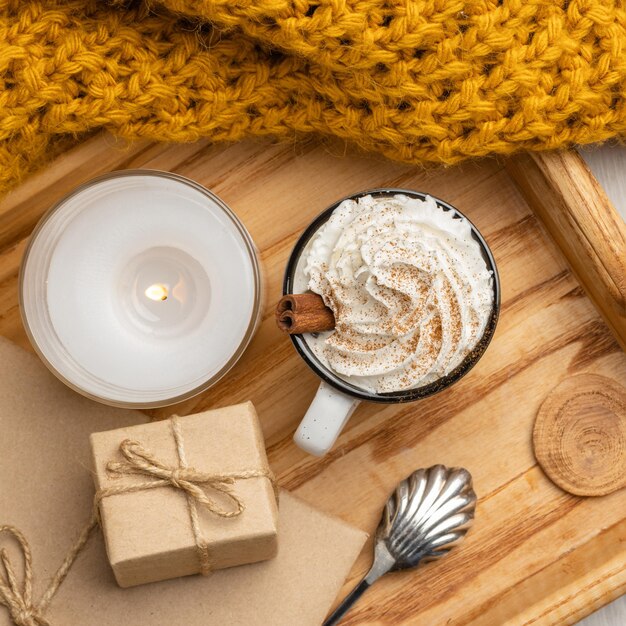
(140, 288)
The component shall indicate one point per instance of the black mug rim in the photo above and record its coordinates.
(407, 395)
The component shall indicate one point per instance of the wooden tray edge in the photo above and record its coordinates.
(584, 224)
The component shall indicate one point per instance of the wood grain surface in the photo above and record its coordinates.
(536, 555)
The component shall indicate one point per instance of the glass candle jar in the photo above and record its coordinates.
(140, 289)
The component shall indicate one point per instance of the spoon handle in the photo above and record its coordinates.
(383, 562)
(347, 602)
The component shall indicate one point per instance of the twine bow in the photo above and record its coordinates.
(193, 483)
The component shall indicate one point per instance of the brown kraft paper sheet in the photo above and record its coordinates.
(46, 490)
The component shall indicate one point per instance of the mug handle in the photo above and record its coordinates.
(324, 420)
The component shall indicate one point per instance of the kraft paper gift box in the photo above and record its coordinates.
(160, 517)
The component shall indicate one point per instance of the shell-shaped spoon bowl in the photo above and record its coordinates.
(427, 515)
(423, 519)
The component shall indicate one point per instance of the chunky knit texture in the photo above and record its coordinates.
(418, 80)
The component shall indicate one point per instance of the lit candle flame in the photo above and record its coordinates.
(156, 292)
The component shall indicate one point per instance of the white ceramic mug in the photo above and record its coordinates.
(336, 399)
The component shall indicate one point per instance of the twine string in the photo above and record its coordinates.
(201, 543)
(18, 599)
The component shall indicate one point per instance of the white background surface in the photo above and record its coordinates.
(608, 163)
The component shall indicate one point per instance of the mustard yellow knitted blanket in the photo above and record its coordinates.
(418, 80)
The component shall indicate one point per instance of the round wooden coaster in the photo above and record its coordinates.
(580, 435)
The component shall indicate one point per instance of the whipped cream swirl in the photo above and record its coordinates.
(410, 289)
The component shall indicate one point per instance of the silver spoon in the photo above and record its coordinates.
(424, 518)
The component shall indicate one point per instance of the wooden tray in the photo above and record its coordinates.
(536, 554)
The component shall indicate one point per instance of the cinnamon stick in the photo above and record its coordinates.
(298, 313)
